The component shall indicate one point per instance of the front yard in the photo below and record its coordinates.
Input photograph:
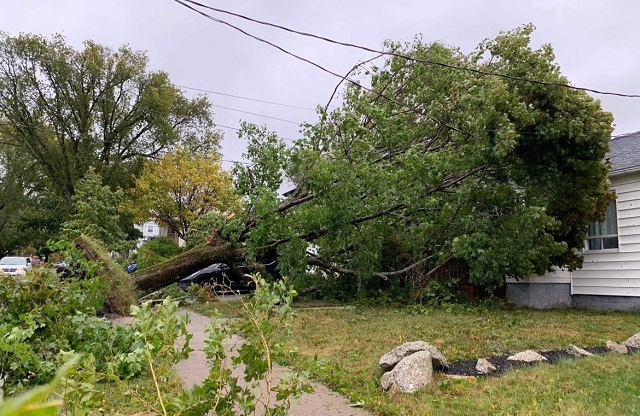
(342, 346)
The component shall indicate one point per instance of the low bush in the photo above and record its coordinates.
(40, 316)
(157, 250)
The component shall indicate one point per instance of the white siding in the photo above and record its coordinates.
(616, 272)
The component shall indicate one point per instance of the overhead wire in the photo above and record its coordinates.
(246, 98)
(237, 129)
(322, 68)
(257, 114)
(400, 55)
(43, 128)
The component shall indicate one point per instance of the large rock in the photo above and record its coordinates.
(389, 360)
(387, 380)
(411, 374)
(617, 348)
(633, 341)
(528, 356)
(578, 352)
(483, 366)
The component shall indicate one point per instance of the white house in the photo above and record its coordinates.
(610, 277)
(149, 229)
(152, 229)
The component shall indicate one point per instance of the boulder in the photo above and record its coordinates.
(617, 348)
(387, 380)
(483, 366)
(528, 356)
(411, 374)
(389, 360)
(578, 352)
(633, 341)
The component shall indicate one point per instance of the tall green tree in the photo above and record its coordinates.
(441, 157)
(96, 213)
(29, 212)
(63, 110)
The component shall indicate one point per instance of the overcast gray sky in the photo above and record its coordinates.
(597, 44)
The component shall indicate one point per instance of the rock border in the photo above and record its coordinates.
(502, 364)
(410, 366)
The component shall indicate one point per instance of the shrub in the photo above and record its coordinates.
(42, 316)
(36, 322)
(157, 250)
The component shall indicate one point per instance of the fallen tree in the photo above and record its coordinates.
(182, 265)
(434, 161)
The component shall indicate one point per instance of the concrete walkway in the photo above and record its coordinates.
(194, 370)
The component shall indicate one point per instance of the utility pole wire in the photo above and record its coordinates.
(399, 55)
(344, 78)
(298, 123)
(246, 98)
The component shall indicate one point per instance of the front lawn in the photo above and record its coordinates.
(341, 347)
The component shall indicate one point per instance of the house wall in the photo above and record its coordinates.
(609, 279)
(149, 229)
(616, 272)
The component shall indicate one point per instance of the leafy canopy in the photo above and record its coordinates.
(181, 187)
(96, 213)
(64, 110)
(501, 173)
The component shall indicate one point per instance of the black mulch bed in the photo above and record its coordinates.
(468, 367)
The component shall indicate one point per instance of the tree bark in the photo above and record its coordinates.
(181, 266)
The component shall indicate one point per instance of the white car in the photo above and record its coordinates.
(15, 265)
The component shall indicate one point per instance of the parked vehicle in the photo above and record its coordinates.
(223, 278)
(132, 267)
(15, 266)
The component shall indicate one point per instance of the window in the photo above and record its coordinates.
(604, 235)
(150, 228)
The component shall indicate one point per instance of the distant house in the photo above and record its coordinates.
(610, 277)
(151, 229)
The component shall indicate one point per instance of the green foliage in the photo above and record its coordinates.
(37, 317)
(65, 110)
(451, 163)
(266, 314)
(156, 250)
(119, 291)
(203, 228)
(34, 333)
(269, 152)
(32, 402)
(96, 213)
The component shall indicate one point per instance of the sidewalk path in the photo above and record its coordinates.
(194, 370)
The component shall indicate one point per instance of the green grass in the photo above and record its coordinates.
(227, 308)
(607, 385)
(341, 347)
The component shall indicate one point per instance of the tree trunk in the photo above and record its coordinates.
(181, 266)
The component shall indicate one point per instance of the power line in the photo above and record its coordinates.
(399, 55)
(237, 129)
(257, 114)
(343, 78)
(43, 128)
(245, 98)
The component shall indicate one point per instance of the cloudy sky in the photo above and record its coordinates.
(597, 44)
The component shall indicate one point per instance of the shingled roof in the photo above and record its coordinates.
(624, 153)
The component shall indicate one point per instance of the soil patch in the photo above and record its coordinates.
(468, 367)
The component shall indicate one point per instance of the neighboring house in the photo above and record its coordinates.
(610, 277)
(152, 229)
(149, 229)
